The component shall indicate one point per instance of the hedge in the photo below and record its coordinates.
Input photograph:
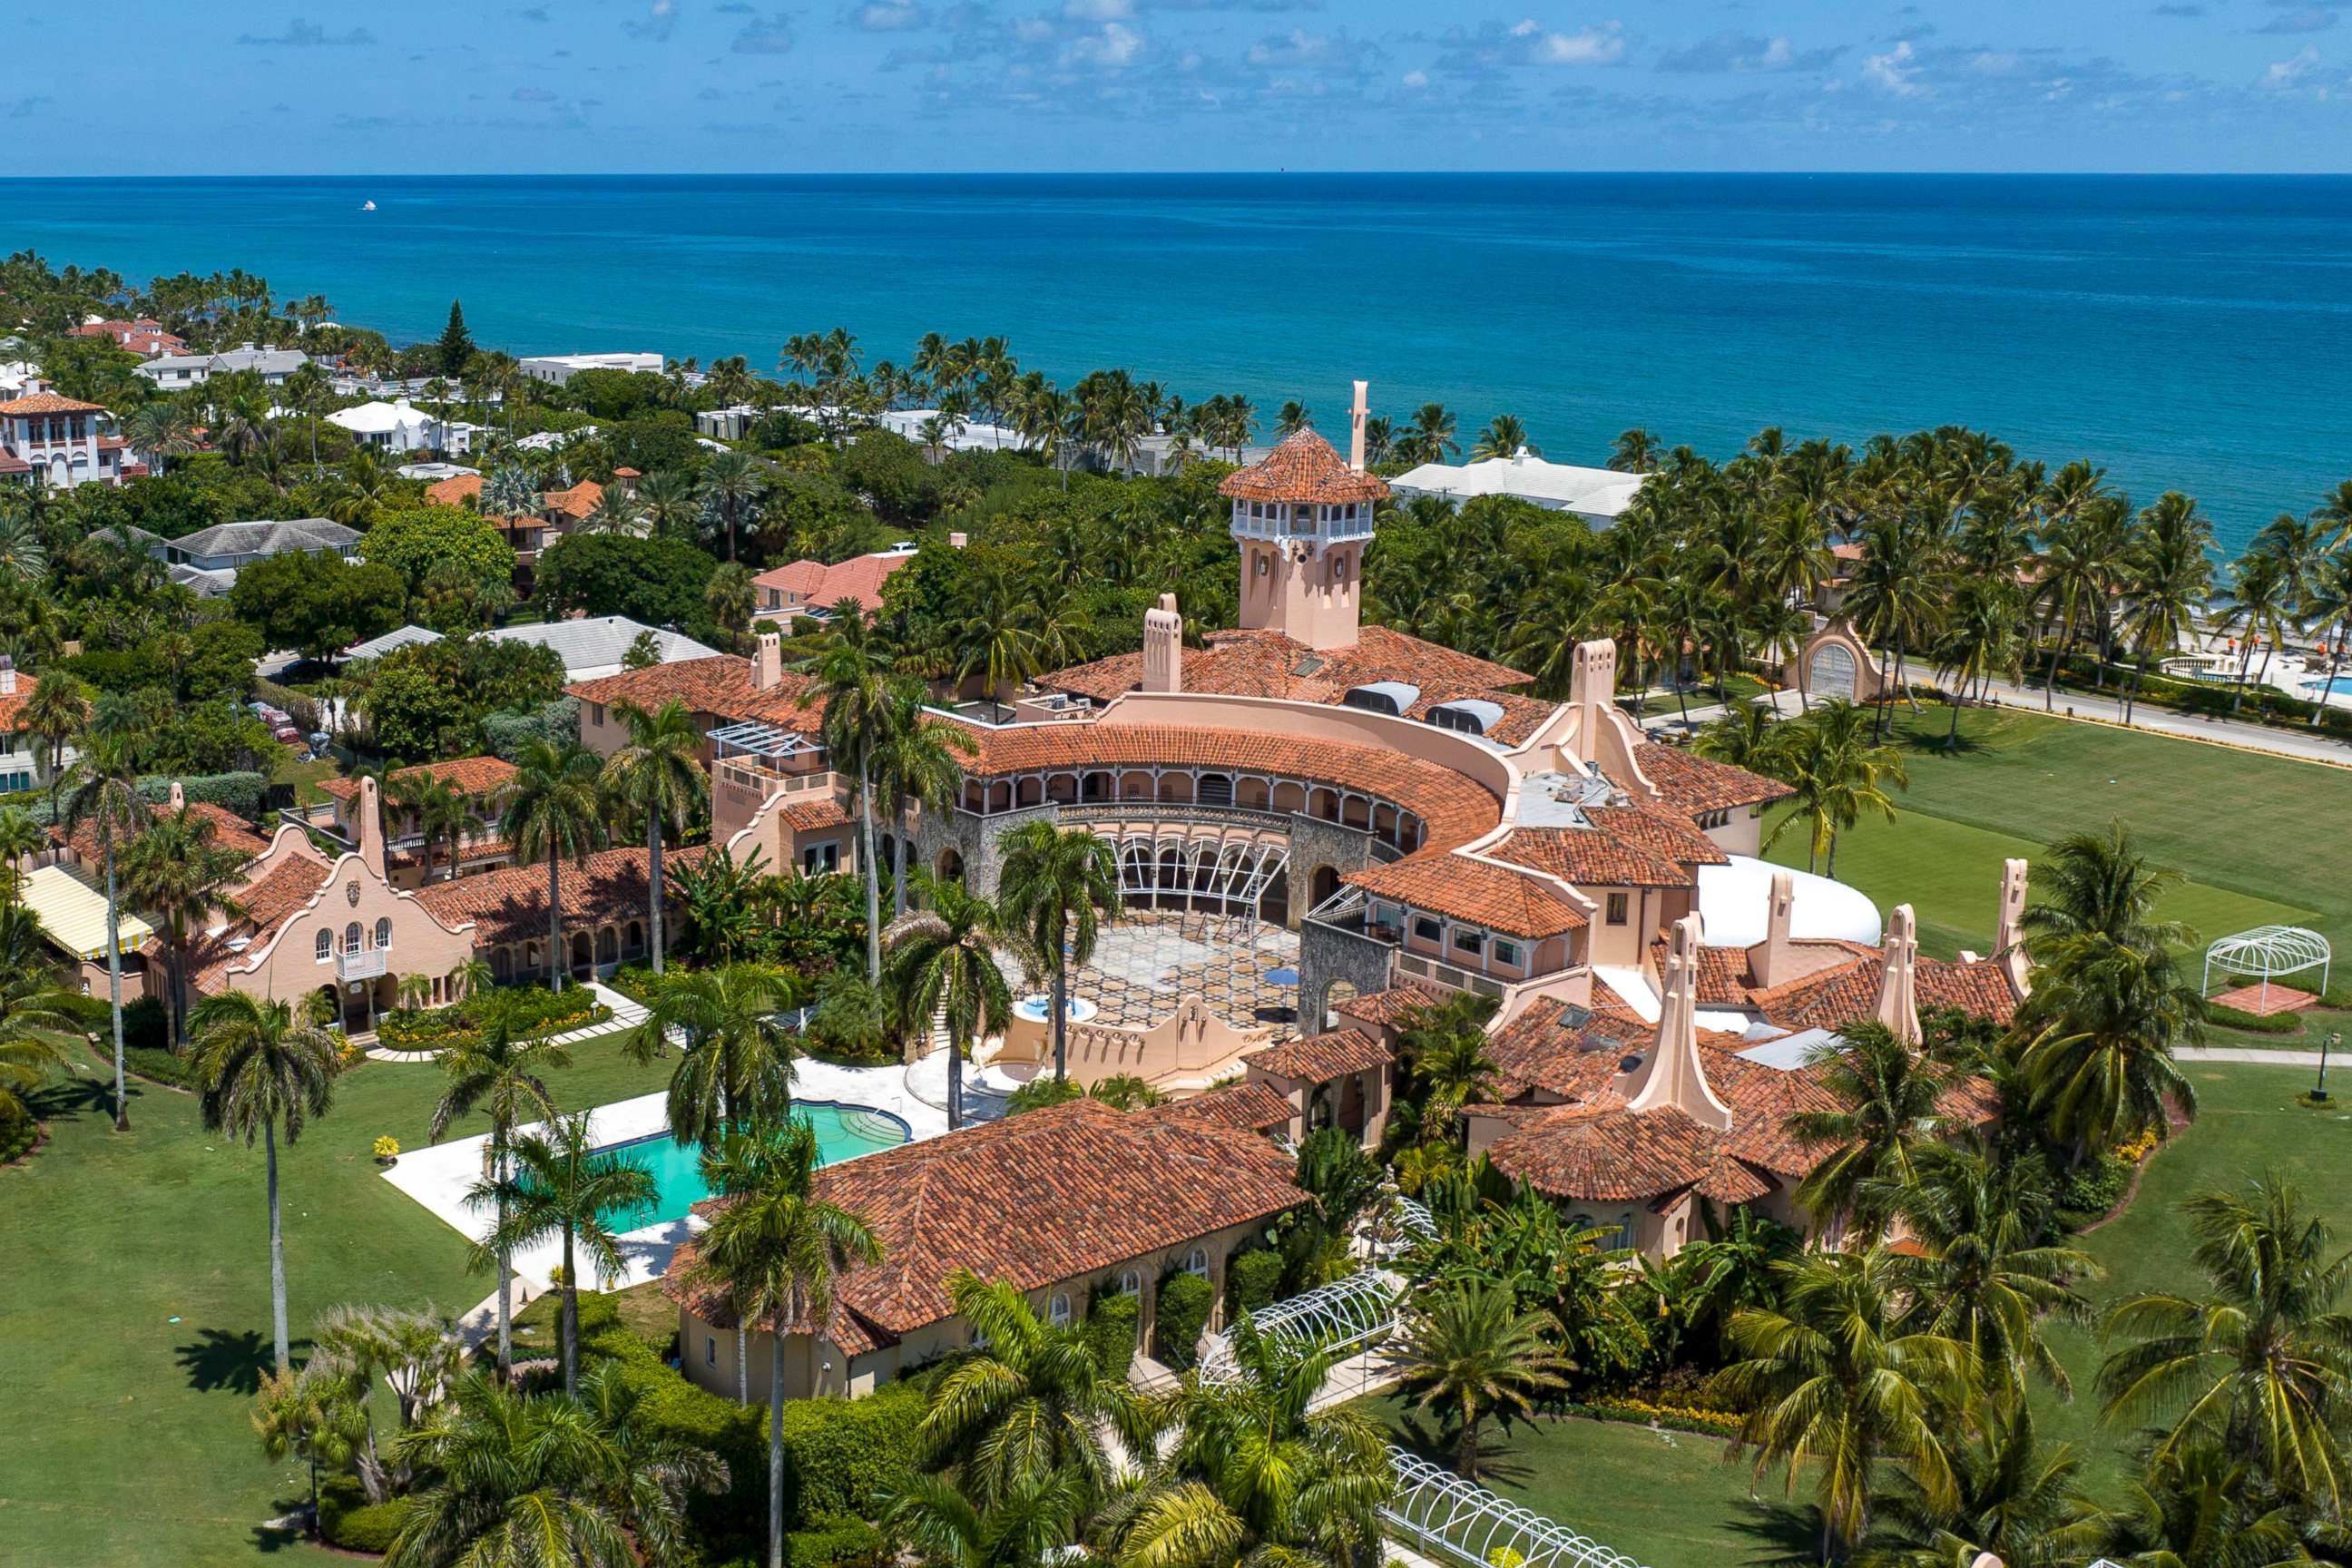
(1184, 1300)
(241, 793)
(1111, 1319)
(18, 1131)
(2263, 704)
(2090, 1191)
(1253, 1281)
(348, 1520)
(2253, 1023)
(841, 1456)
(537, 1011)
(506, 735)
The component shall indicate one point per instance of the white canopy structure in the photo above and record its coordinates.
(1460, 1522)
(1341, 1317)
(2269, 950)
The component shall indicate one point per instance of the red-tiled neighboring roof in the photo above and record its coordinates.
(1303, 468)
(1391, 1008)
(1268, 664)
(1463, 889)
(809, 816)
(49, 403)
(812, 583)
(1835, 998)
(576, 502)
(1051, 1194)
(467, 775)
(1692, 784)
(453, 490)
(230, 831)
(1320, 1058)
(510, 904)
(1591, 858)
(12, 706)
(1247, 1107)
(12, 464)
(718, 686)
(284, 889)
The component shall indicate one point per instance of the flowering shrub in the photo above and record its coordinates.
(1680, 1416)
(1504, 1557)
(537, 1012)
(387, 1147)
(2135, 1150)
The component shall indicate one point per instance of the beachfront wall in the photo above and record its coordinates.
(817, 1367)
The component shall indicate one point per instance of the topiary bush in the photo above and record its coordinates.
(1253, 1281)
(1111, 1320)
(18, 1132)
(348, 1520)
(2090, 1191)
(1185, 1301)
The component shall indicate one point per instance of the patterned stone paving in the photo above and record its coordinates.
(1147, 961)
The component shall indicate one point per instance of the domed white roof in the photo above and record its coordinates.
(1735, 900)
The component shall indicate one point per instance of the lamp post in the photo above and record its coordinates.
(2327, 1042)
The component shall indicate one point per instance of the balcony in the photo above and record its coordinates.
(367, 963)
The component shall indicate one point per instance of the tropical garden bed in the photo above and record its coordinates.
(535, 1013)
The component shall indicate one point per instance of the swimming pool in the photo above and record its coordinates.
(842, 1132)
(2340, 687)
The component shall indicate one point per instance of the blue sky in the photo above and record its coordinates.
(236, 87)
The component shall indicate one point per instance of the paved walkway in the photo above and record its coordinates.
(626, 1015)
(2260, 1058)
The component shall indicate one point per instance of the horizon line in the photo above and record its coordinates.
(411, 177)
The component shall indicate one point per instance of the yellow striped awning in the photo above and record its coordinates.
(73, 914)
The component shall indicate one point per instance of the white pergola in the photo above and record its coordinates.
(2268, 952)
(1465, 1524)
(1341, 1317)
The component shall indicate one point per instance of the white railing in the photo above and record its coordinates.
(1463, 1522)
(1344, 1316)
(365, 964)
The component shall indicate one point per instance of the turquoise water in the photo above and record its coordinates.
(2322, 685)
(842, 1132)
(2182, 333)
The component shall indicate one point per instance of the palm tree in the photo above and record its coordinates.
(1504, 436)
(1470, 1351)
(20, 838)
(915, 764)
(2102, 1025)
(1635, 452)
(774, 1252)
(1429, 438)
(105, 794)
(1984, 1276)
(263, 1068)
(2260, 1365)
(2328, 608)
(1291, 419)
(2201, 1507)
(1057, 887)
(1830, 1381)
(177, 872)
(737, 1069)
(509, 491)
(2021, 1500)
(439, 810)
(2171, 576)
(1837, 775)
(496, 1067)
(1888, 1114)
(658, 774)
(1030, 1399)
(158, 432)
(58, 711)
(1029, 1525)
(558, 1182)
(943, 966)
(2093, 884)
(850, 668)
(42, 1019)
(551, 811)
(730, 491)
(532, 1481)
(2260, 604)
(1895, 594)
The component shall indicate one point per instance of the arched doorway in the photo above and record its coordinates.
(951, 865)
(583, 955)
(1322, 885)
(1338, 992)
(1832, 673)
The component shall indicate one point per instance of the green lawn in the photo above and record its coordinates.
(1667, 1499)
(304, 776)
(137, 1313)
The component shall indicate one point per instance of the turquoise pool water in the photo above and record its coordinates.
(842, 1132)
(2338, 688)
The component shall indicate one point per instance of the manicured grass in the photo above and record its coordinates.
(304, 776)
(137, 1307)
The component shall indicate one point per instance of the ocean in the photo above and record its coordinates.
(2184, 334)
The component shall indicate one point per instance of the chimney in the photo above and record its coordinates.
(1356, 427)
(767, 661)
(1771, 962)
(2009, 932)
(1672, 1078)
(371, 828)
(8, 676)
(1591, 689)
(1898, 1001)
(1163, 647)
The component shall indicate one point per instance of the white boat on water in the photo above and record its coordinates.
(367, 207)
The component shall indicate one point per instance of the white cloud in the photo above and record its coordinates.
(2287, 74)
(1892, 71)
(1416, 79)
(1114, 47)
(889, 16)
(1600, 45)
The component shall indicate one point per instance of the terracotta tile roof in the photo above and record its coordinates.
(1539, 1050)
(576, 502)
(453, 490)
(510, 904)
(718, 687)
(1610, 1156)
(1692, 784)
(1762, 1098)
(814, 583)
(1048, 1196)
(1835, 998)
(1463, 889)
(1246, 1107)
(1268, 664)
(808, 815)
(1392, 1008)
(1303, 468)
(12, 464)
(285, 889)
(48, 403)
(467, 775)
(1453, 808)
(1596, 856)
(12, 706)
(230, 831)
(1320, 1058)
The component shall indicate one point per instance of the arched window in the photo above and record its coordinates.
(352, 937)
(326, 944)
(384, 930)
(1057, 1309)
(1197, 1262)
(1131, 1283)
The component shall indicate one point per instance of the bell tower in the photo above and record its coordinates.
(1301, 519)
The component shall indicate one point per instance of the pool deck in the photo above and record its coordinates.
(437, 1176)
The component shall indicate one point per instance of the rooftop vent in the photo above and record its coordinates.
(1389, 697)
(1470, 715)
(1575, 1017)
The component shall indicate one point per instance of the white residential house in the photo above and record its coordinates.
(557, 369)
(1596, 495)
(60, 442)
(397, 426)
(176, 372)
(207, 560)
(590, 648)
